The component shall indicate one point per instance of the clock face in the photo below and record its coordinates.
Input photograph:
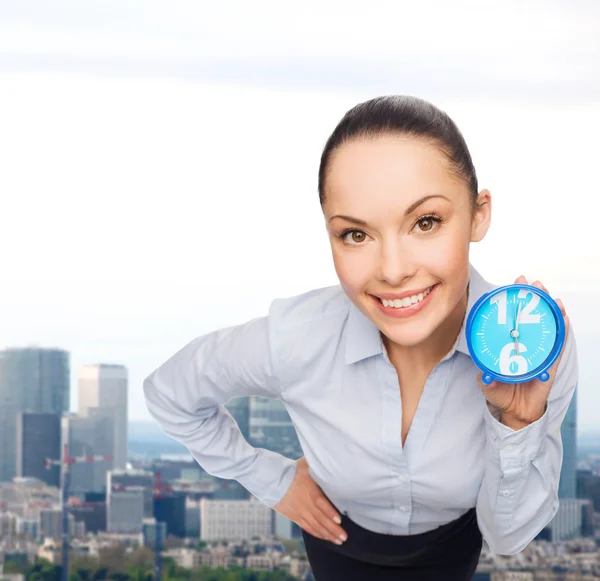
(514, 332)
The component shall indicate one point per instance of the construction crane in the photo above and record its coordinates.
(158, 489)
(65, 465)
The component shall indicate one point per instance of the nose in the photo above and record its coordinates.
(396, 263)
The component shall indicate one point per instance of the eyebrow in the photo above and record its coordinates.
(408, 210)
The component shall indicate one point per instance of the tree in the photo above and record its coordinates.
(142, 557)
(112, 557)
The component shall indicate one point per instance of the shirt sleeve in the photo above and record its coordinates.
(519, 492)
(187, 393)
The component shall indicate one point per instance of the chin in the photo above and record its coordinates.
(411, 336)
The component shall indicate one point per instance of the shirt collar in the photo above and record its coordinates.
(363, 338)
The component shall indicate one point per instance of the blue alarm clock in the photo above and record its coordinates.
(515, 333)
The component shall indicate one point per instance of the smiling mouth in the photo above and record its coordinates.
(406, 301)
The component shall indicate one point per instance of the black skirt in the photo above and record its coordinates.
(448, 553)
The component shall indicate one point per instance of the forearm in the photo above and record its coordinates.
(187, 393)
(518, 497)
(215, 441)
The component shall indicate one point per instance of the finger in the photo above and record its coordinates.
(319, 530)
(310, 525)
(324, 513)
(538, 284)
(521, 280)
(335, 534)
(327, 509)
(482, 385)
(554, 368)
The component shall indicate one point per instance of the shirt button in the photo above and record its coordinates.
(510, 447)
(403, 508)
(506, 493)
(401, 477)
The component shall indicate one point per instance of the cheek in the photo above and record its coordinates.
(353, 268)
(451, 254)
(447, 253)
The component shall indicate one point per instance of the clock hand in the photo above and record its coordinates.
(517, 329)
(515, 332)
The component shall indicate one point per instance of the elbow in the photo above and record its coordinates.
(159, 406)
(511, 541)
(504, 547)
(149, 393)
(177, 416)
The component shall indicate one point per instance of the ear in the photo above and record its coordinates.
(482, 216)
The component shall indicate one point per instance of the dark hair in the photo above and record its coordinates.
(401, 114)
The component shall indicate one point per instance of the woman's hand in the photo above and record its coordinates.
(520, 404)
(305, 504)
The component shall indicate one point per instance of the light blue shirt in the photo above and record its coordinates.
(325, 360)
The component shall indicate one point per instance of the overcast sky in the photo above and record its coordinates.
(159, 159)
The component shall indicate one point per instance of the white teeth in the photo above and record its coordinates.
(406, 301)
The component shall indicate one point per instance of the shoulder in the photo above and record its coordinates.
(313, 307)
(306, 330)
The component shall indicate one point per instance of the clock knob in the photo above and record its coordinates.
(545, 376)
(487, 379)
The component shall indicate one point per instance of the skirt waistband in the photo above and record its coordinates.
(450, 543)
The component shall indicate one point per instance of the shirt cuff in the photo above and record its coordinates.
(515, 449)
(270, 477)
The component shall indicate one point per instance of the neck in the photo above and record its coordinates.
(422, 358)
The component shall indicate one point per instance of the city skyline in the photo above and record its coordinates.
(160, 182)
(164, 160)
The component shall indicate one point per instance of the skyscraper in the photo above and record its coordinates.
(239, 408)
(88, 436)
(38, 438)
(272, 428)
(568, 430)
(103, 389)
(568, 521)
(31, 379)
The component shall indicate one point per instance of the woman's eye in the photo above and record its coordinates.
(427, 224)
(353, 237)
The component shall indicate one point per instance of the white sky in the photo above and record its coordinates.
(159, 159)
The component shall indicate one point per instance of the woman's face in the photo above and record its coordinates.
(400, 223)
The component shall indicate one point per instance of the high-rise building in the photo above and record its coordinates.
(170, 509)
(38, 438)
(103, 388)
(567, 523)
(271, 427)
(234, 519)
(149, 529)
(239, 408)
(123, 480)
(32, 379)
(125, 510)
(567, 487)
(88, 436)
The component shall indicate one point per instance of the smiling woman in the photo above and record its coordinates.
(408, 462)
